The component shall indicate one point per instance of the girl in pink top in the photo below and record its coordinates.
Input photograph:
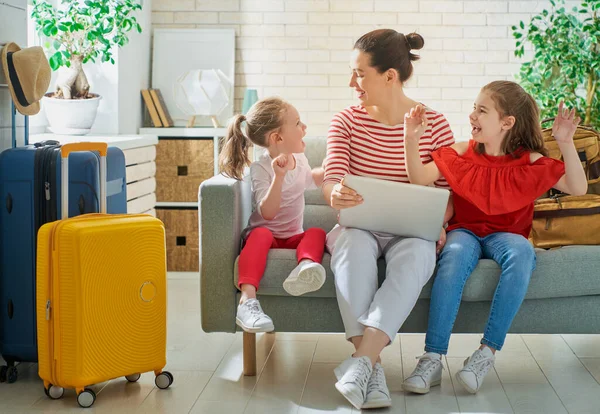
(278, 181)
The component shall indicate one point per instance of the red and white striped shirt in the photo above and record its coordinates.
(357, 144)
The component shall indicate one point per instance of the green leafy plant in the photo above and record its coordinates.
(566, 60)
(78, 32)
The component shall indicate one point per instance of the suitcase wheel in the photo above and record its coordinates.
(86, 398)
(12, 374)
(164, 380)
(133, 377)
(54, 393)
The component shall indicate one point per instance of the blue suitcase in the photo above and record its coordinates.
(30, 196)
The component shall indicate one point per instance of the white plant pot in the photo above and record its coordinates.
(71, 116)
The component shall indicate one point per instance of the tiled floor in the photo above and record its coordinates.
(533, 374)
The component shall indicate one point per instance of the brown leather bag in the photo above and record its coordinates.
(587, 142)
(565, 220)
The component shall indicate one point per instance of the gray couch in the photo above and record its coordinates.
(563, 296)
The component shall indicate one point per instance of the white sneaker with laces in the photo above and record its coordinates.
(251, 318)
(427, 374)
(475, 369)
(378, 394)
(308, 276)
(353, 383)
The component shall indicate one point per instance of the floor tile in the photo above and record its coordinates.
(518, 370)
(574, 385)
(547, 346)
(584, 346)
(218, 407)
(180, 396)
(593, 366)
(332, 348)
(320, 394)
(533, 399)
(271, 405)
(228, 383)
(282, 380)
(514, 346)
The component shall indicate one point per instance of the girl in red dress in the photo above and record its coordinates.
(495, 179)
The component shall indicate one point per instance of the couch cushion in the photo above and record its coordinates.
(315, 150)
(565, 272)
(314, 197)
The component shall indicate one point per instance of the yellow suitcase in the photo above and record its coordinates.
(101, 296)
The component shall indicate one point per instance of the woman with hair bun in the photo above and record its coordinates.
(367, 139)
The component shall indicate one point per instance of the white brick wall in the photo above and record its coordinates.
(299, 49)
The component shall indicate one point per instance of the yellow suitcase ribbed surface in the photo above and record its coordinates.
(105, 276)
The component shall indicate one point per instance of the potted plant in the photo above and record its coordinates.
(77, 32)
(566, 58)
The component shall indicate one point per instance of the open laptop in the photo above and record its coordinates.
(401, 209)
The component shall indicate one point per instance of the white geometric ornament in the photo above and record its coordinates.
(202, 92)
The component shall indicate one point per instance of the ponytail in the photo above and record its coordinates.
(234, 154)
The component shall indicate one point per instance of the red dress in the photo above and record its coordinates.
(495, 194)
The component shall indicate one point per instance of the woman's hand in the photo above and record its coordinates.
(415, 123)
(441, 242)
(280, 164)
(565, 124)
(344, 197)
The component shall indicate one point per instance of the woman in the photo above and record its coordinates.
(367, 140)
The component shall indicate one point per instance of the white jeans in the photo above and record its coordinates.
(409, 265)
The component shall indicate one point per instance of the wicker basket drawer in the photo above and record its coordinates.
(181, 226)
(181, 165)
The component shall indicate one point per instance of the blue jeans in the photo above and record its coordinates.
(462, 251)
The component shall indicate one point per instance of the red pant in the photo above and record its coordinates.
(253, 259)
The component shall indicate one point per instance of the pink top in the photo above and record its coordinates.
(289, 221)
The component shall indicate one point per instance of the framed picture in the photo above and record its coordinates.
(178, 51)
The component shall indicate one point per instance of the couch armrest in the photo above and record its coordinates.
(224, 206)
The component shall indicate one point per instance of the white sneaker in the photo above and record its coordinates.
(378, 394)
(354, 381)
(308, 276)
(427, 374)
(475, 369)
(251, 318)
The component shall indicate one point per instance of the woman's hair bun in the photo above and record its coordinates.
(415, 41)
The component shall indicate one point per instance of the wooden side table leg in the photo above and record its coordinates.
(249, 354)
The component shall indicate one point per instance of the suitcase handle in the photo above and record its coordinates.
(102, 148)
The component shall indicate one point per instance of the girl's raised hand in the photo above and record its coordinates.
(565, 124)
(415, 123)
(279, 165)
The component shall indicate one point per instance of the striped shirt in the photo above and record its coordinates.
(357, 144)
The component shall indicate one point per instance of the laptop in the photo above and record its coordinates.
(401, 209)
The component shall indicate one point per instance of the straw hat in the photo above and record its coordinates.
(27, 74)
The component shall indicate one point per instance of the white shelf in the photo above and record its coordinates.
(124, 142)
(189, 204)
(185, 132)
